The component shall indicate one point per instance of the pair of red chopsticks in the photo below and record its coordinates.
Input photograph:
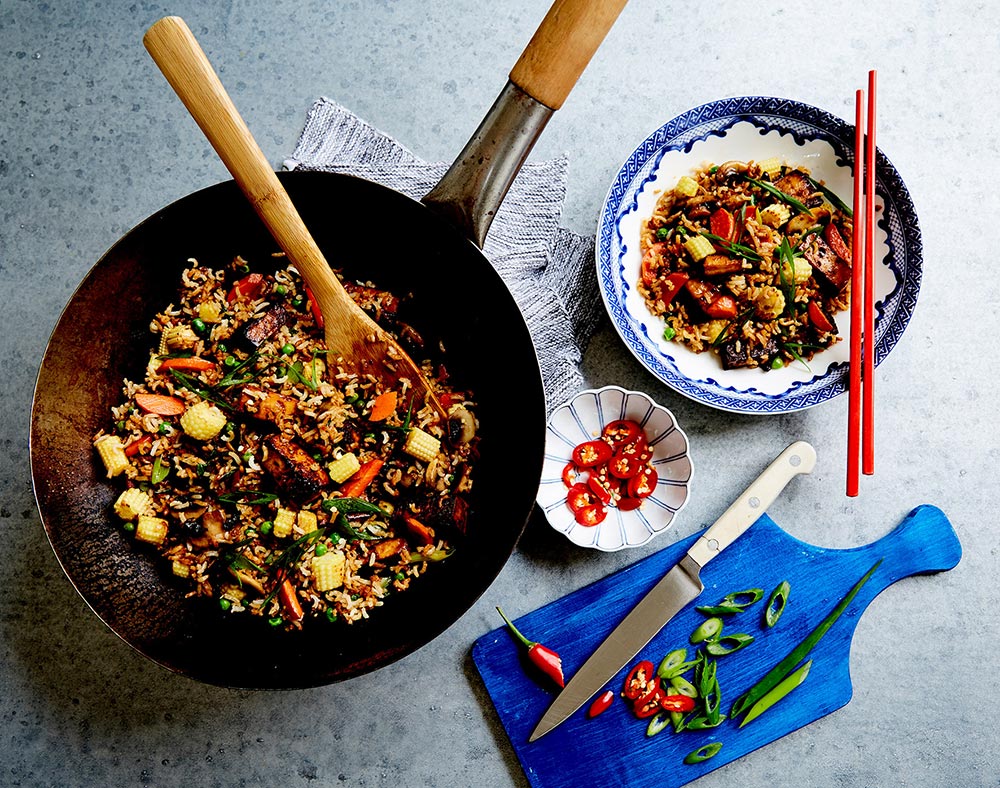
(861, 388)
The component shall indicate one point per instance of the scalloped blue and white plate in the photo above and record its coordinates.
(753, 127)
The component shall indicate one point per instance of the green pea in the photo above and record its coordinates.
(298, 302)
(225, 605)
(400, 577)
(120, 425)
(280, 290)
(714, 170)
(662, 233)
(355, 597)
(331, 615)
(321, 549)
(199, 325)
(230, 361)
(129, 526)
(276, 621)
(164, 428)
(266, 527)
(777, 363)
(287, 349)
(247, 456)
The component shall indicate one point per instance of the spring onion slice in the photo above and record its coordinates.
(776, 603)
(780, 671)
(703, 753)
(779, 692)
(727, 644)
(776, 192)
(832, 197)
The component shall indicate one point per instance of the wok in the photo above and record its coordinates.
(457, 299)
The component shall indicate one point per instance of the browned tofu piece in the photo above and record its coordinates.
(719, 264)
(294, 471)
(258, 331)
(388, 548)
(272, 407)
(829, 269)
(796, 184)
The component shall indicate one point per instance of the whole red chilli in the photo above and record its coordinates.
(544, 658)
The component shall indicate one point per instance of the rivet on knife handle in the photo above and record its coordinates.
(798, 458)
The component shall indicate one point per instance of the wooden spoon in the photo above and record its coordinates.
(362, 343)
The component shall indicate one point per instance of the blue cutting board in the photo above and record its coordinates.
(613, 749)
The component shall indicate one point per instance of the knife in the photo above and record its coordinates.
(677, 588)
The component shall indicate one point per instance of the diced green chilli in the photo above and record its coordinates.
(660, 721)
(727, 644)
(778, 673)
(709, 629)
(776, 603)
(672, 664)
(703, 753)
(776, 694)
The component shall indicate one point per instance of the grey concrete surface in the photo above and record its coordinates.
(92, 141)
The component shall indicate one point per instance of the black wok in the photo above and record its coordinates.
(102, 337)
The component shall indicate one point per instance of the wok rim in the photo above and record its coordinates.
(49, 519)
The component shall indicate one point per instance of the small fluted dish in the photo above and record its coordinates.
(582, 419)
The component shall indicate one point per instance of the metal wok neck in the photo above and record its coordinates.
(471, 191)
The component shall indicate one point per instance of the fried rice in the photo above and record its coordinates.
(270, 476)
(750, 261)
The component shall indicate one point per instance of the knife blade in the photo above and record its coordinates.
(677, 588)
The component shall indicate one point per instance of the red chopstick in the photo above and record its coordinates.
(868, 375)
(857, 289)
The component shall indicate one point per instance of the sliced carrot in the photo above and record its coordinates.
(138, 445)
(383, 406)
(290, 600)
(160, 404)
(356, 485)
(423, 534)
(192, 363)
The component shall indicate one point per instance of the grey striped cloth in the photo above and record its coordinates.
(548, 269)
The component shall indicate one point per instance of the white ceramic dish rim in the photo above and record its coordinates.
(898, 239)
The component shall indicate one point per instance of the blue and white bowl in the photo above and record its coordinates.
(582, 419)
(755, 128)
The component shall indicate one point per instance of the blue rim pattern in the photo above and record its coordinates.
(803, 122)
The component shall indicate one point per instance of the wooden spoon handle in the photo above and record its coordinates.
(562, 47)
(178, 55)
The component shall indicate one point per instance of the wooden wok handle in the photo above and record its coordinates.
(178, 55)
(562, 47)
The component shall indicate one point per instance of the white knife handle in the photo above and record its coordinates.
(798, 458)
